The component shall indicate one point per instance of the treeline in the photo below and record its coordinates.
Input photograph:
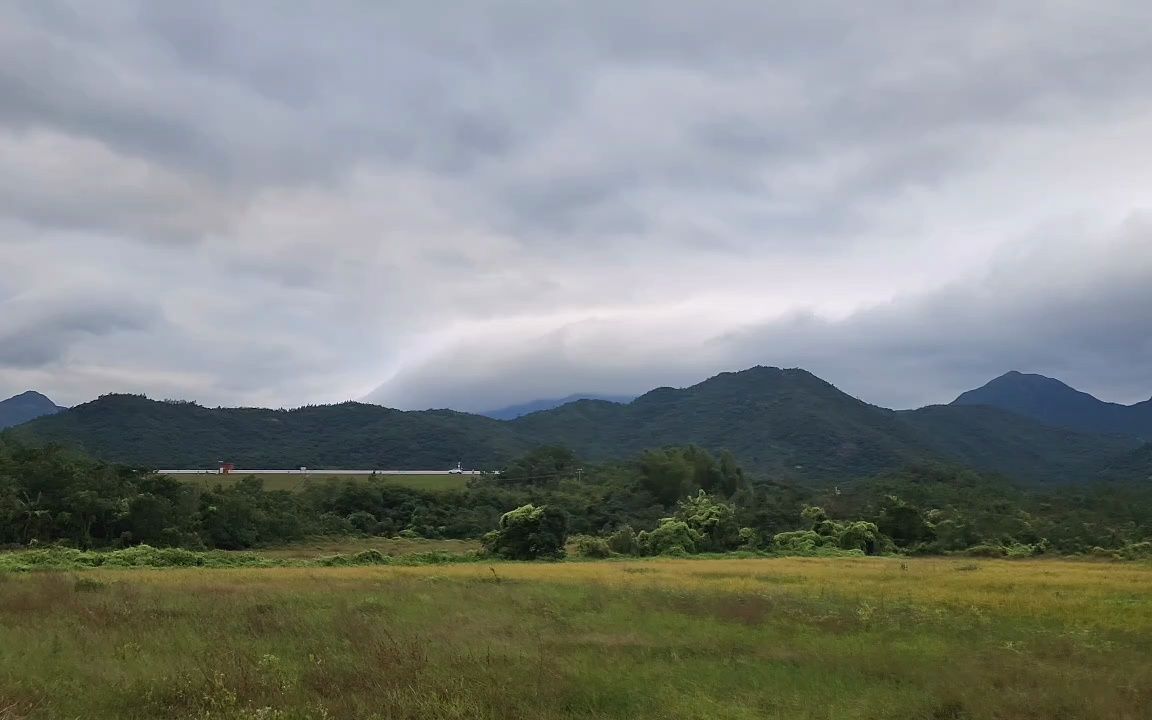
(678, 500)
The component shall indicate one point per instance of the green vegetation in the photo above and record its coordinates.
(297, 482)
(679, 500)
(787, 425)
(127, 594)
(135, 430)
(133, 595)
(529, 533)
(347, 553)
(795, 639)
(312, 548)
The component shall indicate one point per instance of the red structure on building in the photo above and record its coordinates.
(226, 468)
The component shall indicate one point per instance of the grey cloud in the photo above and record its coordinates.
(35, 332)
(1036, 312)
(252, 96)
(334, 193)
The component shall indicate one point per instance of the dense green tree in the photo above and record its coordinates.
(529, 533)
(670, 537)
(860, 535)
(904, 523)
(667, 475)
(673, 473)
(542, 466)
(713, 522)
(54, 495)
(623, 541)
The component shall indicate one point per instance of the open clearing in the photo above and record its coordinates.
(295, 481)
(767, 638)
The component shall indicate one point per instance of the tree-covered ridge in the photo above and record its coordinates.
(791, 424)
(670, 500)
(136, 430)
(786, 424)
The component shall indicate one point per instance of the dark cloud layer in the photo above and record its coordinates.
(254, 203)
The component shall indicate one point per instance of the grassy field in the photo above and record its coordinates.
(772, 638)
(320, 547)
(277, 481)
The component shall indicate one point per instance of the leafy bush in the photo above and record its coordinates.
(713, 524)
(363, 522)
(529, 533)
(623, 541)
(801, 542)
(592, 547)
(1010, 550)
(1136, 551)
(860, 535)
(987, 550)
(671, 537)
(364, 557)
(749, 539)
(140, 556)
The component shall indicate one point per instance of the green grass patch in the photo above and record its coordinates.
(144, 556)
(849, 639)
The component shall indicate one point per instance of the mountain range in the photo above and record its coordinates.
(1054, 403)
(26, 406)
(787, 424)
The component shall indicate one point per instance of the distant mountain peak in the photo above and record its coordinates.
(1032, 379)
(1056, 403)
(24, 407)
(31, 395)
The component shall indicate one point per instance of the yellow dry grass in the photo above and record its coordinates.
(1067, 590)
(827, 639)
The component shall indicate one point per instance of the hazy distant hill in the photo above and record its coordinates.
(1054, 403)
(514, 411)
(24, 407)
(788, 423)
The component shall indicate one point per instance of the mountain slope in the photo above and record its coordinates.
(792, 423)
(779, 423)
(26, 406)
(514, 411)
(991, 439)
(135, 430)
(1136, 465)
(1054, 403)
(784, 421)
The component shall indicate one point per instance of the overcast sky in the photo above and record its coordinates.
(472, 204)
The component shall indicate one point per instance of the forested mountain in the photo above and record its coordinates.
(135, 430)
(1054, 403)
(24, 407)
(787, 424)
(1136, 465)
(792, 424)
(514, 411)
